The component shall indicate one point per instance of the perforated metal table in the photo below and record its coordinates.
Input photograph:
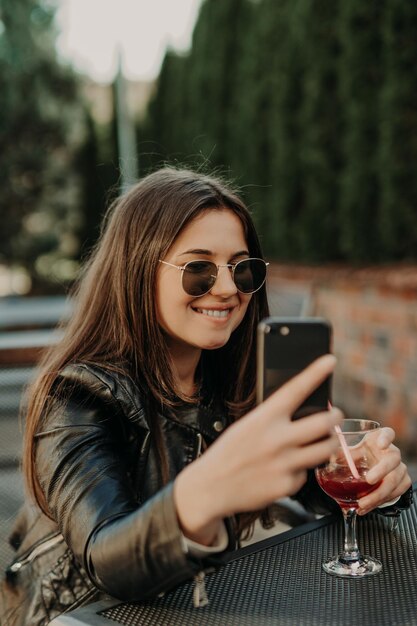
(279, 581)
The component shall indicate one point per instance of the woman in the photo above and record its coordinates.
(134, 487)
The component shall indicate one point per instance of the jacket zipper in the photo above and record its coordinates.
(38, 550)
(200, 597)
(199, 445)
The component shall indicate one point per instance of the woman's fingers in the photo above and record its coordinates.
(388, 470)
(289, 397)
(264, 455)
(385, 437)
(317, 426)
(378, 441)
(392, 487)
(315, 453)
(387, 463)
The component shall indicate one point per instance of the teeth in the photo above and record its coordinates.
(214, 313)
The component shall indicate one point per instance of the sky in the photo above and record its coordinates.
(91, 31)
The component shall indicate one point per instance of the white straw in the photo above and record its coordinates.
(346, 452)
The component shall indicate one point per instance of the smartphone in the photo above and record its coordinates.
(285, 346)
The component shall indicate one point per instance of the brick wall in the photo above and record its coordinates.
(373, 312)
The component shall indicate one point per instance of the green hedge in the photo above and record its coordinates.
(311, 107)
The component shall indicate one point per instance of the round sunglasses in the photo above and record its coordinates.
(198, 277)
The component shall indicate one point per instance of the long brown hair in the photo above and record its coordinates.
(114, 323)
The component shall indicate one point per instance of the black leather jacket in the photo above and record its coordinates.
(115, 527)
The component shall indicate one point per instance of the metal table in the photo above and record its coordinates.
(279, 581)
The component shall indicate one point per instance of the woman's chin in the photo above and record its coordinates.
(214, 345)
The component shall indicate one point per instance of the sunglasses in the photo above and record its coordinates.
(198, 277)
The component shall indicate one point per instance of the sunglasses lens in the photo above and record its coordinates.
(250, 275)
(199, 277)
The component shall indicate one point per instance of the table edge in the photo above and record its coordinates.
(280, 538)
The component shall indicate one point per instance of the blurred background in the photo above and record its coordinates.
(309, 106)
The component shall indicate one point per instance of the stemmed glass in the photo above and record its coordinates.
(336, 478)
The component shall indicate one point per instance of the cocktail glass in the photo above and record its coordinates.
(337, 480)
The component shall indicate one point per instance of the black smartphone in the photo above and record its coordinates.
(285, 346)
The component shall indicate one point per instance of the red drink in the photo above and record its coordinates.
(338, 482)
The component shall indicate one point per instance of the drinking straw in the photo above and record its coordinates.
(346, 450)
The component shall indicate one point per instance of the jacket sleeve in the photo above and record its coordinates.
(129, 551)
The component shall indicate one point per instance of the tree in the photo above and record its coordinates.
(317, 229)
(252, 116)
(284, 45)
(397, 155)
(361, 77)
(41, 127)
(162, 135)
(310, 105)
(210, 86)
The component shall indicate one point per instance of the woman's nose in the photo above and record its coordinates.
(224, 285)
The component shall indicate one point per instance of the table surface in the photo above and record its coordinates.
(280, 581)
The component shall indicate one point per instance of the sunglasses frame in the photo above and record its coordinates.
(229, 265)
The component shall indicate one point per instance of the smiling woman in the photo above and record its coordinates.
(142, 422)
(205, 321)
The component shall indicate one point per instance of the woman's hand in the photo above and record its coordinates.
(260, 458)
(389, 469)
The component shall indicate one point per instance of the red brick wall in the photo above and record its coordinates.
(373, 312)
